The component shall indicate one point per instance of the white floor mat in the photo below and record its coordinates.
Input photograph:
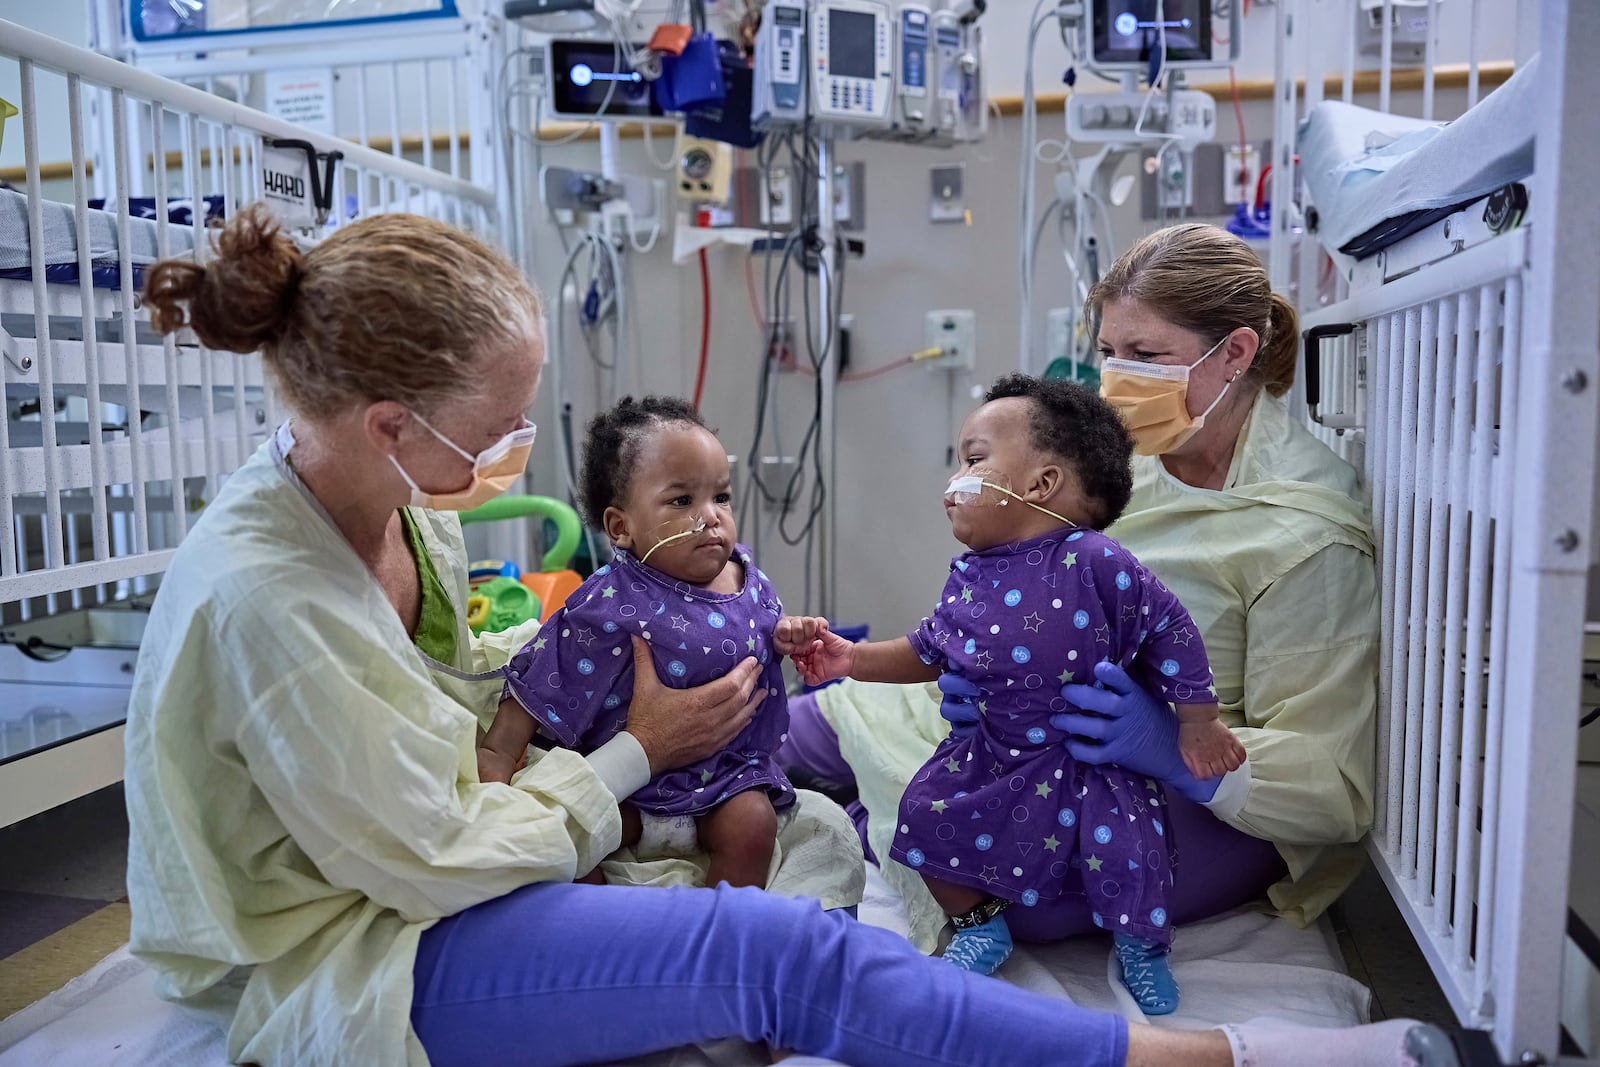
(1239, 966)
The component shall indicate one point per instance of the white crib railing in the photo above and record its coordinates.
(424, 89)
(112, 437)
(1464, 393)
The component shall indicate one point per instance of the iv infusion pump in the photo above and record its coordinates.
(852, 62)
(830, 61)
(907, 71)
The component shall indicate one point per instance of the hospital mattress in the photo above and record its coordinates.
(1376, 178)
(61, 238)
(1236, 967)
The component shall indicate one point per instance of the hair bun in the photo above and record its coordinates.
(242, 298)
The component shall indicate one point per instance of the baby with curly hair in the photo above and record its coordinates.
(656, 480)
(1002, 815)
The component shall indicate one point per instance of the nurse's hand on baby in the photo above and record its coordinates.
(819, 654)
(1123, 724)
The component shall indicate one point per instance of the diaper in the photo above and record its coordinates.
(666, 836)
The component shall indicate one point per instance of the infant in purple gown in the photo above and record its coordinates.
(1002, 815)
(656, 479)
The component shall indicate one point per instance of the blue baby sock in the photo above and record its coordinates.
(1147, 974)
(981, 949)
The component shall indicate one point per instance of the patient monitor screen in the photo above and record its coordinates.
(1129, 31)
(590, 78)
(852, 44)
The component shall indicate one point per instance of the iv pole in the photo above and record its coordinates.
(828, 332)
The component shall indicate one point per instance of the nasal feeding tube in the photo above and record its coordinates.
(966, 489)
(676, 530)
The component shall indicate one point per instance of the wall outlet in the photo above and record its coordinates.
(1239, 174)
(780, 336)
(955, 333)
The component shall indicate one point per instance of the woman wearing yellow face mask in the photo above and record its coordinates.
(1259, 530)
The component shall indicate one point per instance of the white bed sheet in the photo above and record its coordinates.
(1240, 966)
(1366, 167)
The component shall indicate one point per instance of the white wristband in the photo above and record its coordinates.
(1228, 800)
(621, 765)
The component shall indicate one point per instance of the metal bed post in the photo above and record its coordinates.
(1551, 523)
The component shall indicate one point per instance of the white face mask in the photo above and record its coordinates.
(1153, 400)
(494, 470)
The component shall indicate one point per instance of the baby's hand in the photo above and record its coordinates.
(495, 766)
(1209, 748)
(819, 654)
(796, 634)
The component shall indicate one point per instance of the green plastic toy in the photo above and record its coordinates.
(550, 586)
(499, 604)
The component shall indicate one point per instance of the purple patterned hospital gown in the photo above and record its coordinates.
(1005, 809)
(576, 676)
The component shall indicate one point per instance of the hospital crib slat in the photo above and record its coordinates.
(169, 346)
(1377, 481)
(91, 346)
(1393, 333)
(1473, 697)
(54, 554)
(120, 108)
(1441, 343)
(1507, 338)
(1450, 803)
(1410, 355)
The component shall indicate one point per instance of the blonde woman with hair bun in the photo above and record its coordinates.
(313, 858)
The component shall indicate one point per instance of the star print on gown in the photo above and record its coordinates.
(1009, 791)
(576, 677)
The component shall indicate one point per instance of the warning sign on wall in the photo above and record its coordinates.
(303, 96)
(286, 187)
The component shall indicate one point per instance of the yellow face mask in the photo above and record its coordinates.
(1152, 399)
(494, 470)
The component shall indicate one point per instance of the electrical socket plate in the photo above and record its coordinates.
(1058, 334)
(775, 198)
(1235, 166)
(947, 193)
(955, 333)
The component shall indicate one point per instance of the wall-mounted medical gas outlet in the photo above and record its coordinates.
(1191, 116)
(704, 170)
(955, 333)
(1210, 179)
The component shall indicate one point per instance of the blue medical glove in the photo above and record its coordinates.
(1130, 728)
(958, 705)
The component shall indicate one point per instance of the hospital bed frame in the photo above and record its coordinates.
(1465, 394)
(99, 482)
